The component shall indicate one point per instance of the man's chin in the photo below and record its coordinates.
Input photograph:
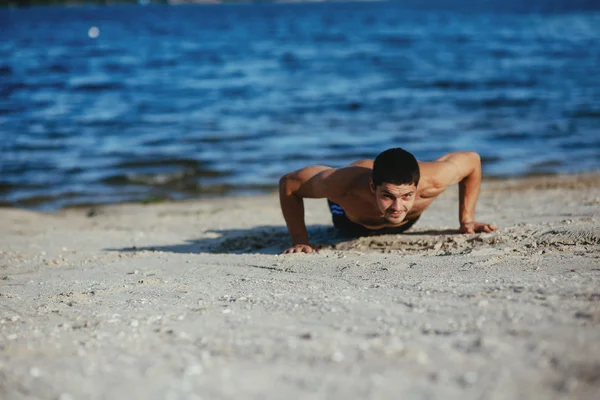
(395, 220)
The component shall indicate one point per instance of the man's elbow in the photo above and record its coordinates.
(474, 157)
(474, 163)
(468, 164)
(288, 184)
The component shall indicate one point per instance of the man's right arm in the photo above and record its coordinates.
(309, 182)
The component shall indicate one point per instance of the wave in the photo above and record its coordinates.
(97, 86)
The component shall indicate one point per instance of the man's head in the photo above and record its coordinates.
(394, 182)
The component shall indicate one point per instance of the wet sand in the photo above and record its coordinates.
(190, 300)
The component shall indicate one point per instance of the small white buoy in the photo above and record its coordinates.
(94, 32)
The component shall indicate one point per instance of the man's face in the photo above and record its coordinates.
(395, 201)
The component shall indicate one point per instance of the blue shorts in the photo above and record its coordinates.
(349, 228)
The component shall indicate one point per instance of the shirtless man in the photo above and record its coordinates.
(382, 196)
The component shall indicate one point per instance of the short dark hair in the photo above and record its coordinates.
(396, 166)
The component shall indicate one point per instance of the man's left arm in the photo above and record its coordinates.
(467, 166)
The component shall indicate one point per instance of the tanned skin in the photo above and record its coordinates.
(386, 205)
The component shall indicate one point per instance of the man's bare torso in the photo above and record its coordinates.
(358, 201)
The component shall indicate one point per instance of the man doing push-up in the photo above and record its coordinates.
(382, 196)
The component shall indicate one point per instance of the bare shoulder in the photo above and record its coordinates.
(344, 180)
(365, 163)
(318, 181)
(347, 180)
(436, 176)
(449, 169)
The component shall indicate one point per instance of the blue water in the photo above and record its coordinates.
(189, 101)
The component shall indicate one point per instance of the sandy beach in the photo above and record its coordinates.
(190, 300)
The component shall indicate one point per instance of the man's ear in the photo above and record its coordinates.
(371, 185)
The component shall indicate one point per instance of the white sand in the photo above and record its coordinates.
(189, 300)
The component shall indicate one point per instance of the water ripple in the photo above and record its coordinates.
(175, 102)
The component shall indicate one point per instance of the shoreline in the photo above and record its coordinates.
(579, 179)
(190, 299)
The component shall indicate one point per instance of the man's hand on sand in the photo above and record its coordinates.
(477, 227)
(302, 248)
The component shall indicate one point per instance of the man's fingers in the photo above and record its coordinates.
(299, 249)
(492, 227)
(489, 228)
(477, 227)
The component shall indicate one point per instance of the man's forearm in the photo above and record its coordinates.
(468, 192)
(292, 208)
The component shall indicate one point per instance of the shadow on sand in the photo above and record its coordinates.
(259, 239)
(268, 240)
